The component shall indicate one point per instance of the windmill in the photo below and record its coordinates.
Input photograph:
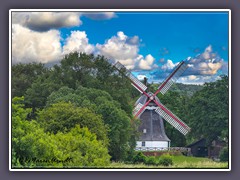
(151, 111)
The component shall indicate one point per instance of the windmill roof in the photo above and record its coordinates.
(151, 121)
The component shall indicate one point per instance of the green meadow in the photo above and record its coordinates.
(179, 162)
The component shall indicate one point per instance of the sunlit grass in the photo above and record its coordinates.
(178, 162)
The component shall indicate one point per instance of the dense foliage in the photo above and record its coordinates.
(208, 111)
(82, 91)
(32, 147)
(101, 103)
(163, 160)
(81, 110)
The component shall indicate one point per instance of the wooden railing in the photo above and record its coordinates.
(181, 149)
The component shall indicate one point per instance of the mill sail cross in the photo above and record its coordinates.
(151, 111)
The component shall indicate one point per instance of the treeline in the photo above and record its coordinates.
(78, 113)
(183, 89)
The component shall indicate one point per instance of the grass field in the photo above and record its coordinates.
(179, 162)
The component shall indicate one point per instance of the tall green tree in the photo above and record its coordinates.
(63, 116)
(209, 111)
(98, 73)
(23, 75)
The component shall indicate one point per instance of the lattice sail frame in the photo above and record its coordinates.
(135, 82)
(172, 78)
(174, 121)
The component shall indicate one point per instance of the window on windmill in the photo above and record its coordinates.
(144, 130)
(143, 143)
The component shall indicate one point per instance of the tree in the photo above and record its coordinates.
(209, 111)
(42, 87)
(119, 129)
(23, 75)
(63, 116)
(96, 72)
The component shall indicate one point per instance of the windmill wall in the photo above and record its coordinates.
(152, 131)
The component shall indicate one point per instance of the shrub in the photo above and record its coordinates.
(139, 158)
(151, 160)
(224, 154)
(165, 160)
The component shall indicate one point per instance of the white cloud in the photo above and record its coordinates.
(77, 41)
(117, 49)
(30, 46)
(205, 67)
(44, 21)
(169, 65)
(207, 63)
(125, 50)
(147, 63)
(45, 47)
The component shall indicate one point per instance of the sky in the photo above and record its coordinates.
(150, 44)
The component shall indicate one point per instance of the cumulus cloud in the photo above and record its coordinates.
(207, 63)
(169, 65)
(36, 38)
(30, 46)
(205, 67)
(116, 48)
(45, 47)
(77, 41)
(100, 15)
(146, 64)
(125, 50)
(44, 21)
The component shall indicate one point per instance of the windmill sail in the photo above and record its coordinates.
(137, 108)
(135, 82)
(172, 78)
(173, 120)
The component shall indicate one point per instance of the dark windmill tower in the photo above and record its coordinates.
(151, 111)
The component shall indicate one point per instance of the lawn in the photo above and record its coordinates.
(179, 162)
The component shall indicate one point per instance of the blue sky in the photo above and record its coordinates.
(149, 43)
(181, 33)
